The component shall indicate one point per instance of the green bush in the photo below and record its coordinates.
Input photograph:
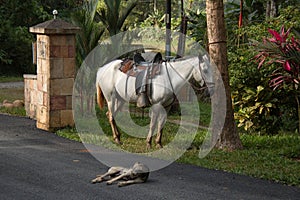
(257, 106)
(16, 42)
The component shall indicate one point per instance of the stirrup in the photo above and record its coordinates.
(143, 100)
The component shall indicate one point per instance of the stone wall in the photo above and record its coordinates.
(31, 95)
(48, 94)
(55, 75)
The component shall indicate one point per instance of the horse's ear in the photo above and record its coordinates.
(201, 58)
(204, 58)
(137, 58)
(157, 58)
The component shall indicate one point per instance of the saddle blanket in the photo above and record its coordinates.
(131, 69)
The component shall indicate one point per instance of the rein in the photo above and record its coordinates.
(193, 85)
(174, 95)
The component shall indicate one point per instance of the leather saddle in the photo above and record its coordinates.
(143, 71)
(134, 67)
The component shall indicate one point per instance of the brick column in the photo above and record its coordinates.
(55, 73)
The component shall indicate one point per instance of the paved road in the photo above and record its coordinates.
(36, 164)
(12, 85)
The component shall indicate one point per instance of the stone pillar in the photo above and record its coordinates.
(55, 73)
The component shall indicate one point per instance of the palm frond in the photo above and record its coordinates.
(125, 12)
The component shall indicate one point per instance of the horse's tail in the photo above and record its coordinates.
(100, 97)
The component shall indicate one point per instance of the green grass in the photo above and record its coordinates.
(10, 79)
(13, 111)
(69, 133)
(275, 158)
(11, 94)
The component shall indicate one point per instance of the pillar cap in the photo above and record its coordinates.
(54, 26)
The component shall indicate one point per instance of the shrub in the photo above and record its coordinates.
(257, 106)
(284, 52)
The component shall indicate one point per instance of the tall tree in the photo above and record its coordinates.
(229, 138)
(15, 40)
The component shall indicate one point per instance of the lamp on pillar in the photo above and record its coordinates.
(55, 13)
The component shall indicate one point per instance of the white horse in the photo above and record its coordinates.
(117, 88)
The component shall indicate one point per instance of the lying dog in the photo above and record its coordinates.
(139, 173)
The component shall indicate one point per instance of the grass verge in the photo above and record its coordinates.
(10, 79)
(275, 158)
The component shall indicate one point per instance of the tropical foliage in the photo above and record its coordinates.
(15, 40)
(257, 106)
(284, 52)
(90, 30)
(114, 14)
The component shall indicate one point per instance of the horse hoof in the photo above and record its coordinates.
(148, 146)
(159, 146)
(117, 141)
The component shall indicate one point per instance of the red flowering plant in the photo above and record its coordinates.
(284, 52)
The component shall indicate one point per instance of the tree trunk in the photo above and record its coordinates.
(229, 138)
(182, 31)
(241, 13)
(271, 9)
(298, 109)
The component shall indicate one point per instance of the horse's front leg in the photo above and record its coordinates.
(152, 127)
(158, 117)
(160, 125)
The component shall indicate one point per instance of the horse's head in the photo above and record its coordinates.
(206, 73)
(196, 73)
(192, 65)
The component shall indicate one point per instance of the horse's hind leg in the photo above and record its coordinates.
(112, 110)
(115, 131)
(113, 107)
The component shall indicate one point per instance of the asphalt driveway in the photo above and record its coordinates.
(36, 164)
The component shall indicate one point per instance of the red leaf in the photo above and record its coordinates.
(276, 35)
(262, 60)
(287, 66)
